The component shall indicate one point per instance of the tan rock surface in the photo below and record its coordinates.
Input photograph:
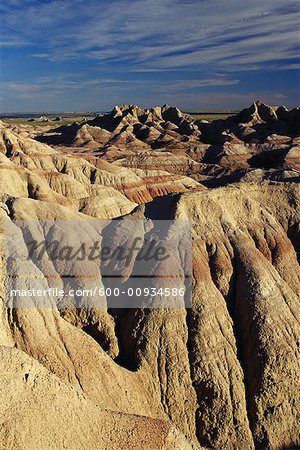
(223, 374)
(42, 412)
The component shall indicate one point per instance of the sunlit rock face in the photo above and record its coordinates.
(222, 373)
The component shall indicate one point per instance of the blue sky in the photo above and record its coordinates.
(80, 55)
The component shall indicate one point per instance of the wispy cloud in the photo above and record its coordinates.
(157, 46)
(158, 34)
(47, 93)
(58, 83)
(12, 43)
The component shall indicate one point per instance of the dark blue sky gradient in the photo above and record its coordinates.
(80, 55)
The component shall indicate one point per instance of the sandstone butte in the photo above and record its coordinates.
(223, 374)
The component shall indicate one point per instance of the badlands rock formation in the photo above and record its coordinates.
(221, 374)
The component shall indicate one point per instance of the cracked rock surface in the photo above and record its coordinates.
(221, 374)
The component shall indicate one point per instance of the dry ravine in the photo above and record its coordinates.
(222, 374)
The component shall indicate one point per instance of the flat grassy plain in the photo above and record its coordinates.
(67, 119)
(50, 123)
(210, 115)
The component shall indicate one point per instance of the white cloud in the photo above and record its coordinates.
(160, 34)
(12, 43)
(132, 50)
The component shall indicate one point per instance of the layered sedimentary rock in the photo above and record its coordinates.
(33, 170)
(221, 373)
(261, 137)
